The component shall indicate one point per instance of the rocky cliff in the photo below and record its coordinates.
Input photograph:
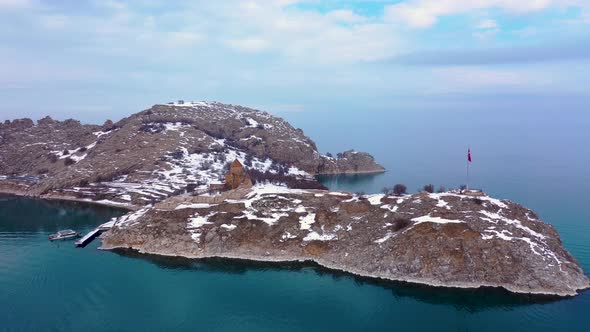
(447, 239)
(160, 152)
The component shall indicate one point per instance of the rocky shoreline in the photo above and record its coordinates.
(358, 273)
(53, 197)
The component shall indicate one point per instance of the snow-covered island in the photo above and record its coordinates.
(445, 239)
(214, 180)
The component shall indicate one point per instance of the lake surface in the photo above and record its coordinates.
(539, 160)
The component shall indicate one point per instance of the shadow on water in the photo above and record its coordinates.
(470, 300)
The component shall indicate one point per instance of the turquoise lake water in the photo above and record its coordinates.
(539, 160)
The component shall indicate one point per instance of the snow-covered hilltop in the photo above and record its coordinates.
(160, 152)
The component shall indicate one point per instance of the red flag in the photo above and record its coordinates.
(469, 155)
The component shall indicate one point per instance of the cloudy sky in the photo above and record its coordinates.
(106, 58)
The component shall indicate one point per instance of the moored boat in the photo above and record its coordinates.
(63, 234)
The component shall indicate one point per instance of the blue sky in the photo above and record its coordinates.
(93, 60)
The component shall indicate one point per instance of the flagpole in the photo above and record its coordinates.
(467, 174)
(468, 156)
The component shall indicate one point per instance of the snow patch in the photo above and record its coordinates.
(314, 236)
(436, 220)
(514, 222)
(390, 208)
(306, 221)
(194, 206)
(287, 236)
(385, 238)
(335, 193)
(300, 209)
(252, 123)
(131, 219)
(375, 199)
(297, 172)
(251, 137)
(229, 227)
(197, 220)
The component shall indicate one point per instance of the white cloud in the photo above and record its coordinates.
(160, 49)
(487, 24)
(110, 4)
(339, 36)
(276, 27)
(249, 45)
(484, 35)
(415, 17)
(486, 29)
(345, 16)
(182, 39)
(15, 4)
(425, 13)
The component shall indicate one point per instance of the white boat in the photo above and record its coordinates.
(63, 234)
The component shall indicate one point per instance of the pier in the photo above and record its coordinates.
(86, 239)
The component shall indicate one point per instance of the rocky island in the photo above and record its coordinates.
(160, 152)
(215, 180)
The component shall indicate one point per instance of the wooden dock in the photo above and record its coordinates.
(93, 234)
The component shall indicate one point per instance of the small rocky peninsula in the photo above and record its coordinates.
(214, 180)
